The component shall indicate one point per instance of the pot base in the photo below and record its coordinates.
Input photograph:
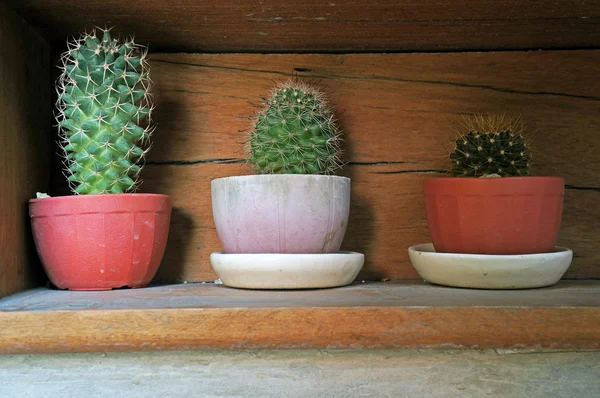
(287, 271)
(480, 271)
(102, 289)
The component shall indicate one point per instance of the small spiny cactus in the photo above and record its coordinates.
(491, 146)
(295, 132)
(104, 113)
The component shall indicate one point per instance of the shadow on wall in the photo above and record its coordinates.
(360, 233)
(172, 268)
(160, 180)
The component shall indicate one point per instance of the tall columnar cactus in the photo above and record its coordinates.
(104, 113)
(295, 132)
(491, 146)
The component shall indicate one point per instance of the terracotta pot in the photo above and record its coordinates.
(281, 213)
(101, 242)
(514, 215)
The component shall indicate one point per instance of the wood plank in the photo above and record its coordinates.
(383, 315)
(316, 26)
(394, 107)
(398, 111)
(25, 131)
(368, 294)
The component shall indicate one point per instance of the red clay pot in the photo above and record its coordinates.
(513, 215)
(101, 242)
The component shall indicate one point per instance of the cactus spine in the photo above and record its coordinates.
(295, 132)
(104, 113)
(491, 146)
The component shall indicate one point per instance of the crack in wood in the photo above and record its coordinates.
(577, 188)
(381, 163)
(397, 20)
(192, 162)
(424, 171)
(239, 161)
(205, 93)
(395, 79)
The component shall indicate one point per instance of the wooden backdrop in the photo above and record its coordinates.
(25, 131)
(326, 26)
(398, 111)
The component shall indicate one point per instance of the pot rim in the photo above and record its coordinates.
(95, 196)
(277, 176)
(485, 180)
(421, 248)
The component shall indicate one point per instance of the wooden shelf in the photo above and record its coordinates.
(370, 315)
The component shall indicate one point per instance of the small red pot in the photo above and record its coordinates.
(101, 242)
(512, 215)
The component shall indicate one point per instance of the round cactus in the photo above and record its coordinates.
(103, 113)
(491, 146)
(295, 132)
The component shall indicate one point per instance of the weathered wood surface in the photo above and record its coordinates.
(398, 111)
(327, 26)
(382, 315)
(25, 131)
(370, 294)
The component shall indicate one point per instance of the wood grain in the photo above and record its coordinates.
(317, 26)
(371, 316)
(395, 108)
(398, 111)
(25, 131)
(369, 294)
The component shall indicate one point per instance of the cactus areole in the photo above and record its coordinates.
(104, 113)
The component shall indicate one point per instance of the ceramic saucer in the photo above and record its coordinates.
(287, 271)
(490, 271)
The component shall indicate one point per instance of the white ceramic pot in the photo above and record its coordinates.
(281, 213)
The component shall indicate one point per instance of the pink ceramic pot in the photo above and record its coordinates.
(285, 213)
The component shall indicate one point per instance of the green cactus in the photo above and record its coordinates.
(104, 113)
(295, 132)
(491, 146)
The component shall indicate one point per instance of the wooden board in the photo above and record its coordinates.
(395, 108)
(398, 111)
(25, 131)
(327, 26)
(381, 315)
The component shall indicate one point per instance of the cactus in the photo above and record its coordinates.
(295, 132)
(103, 113)
(491, 146)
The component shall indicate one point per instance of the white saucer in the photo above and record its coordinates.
(490, 271)
(287, 271)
